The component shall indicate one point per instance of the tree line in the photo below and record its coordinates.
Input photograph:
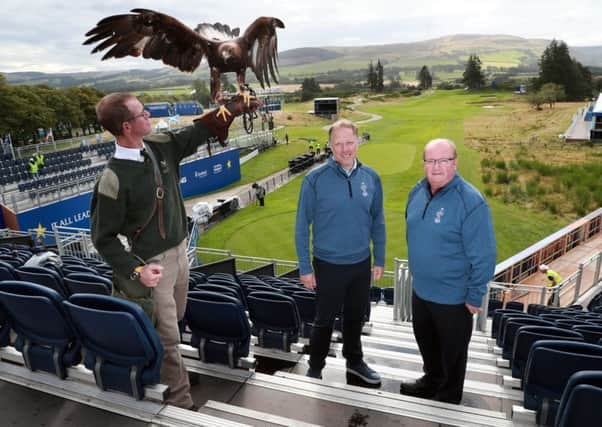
(26, 109)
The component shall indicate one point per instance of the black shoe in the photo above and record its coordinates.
(314, 373)
(358, 373)
(194, 408)
(440, 398)
(419, 388)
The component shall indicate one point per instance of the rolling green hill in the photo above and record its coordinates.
(446, 56)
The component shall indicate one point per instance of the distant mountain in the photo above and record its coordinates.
(444, 55)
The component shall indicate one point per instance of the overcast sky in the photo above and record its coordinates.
(47, 36)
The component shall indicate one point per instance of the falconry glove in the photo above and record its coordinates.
(218, 122)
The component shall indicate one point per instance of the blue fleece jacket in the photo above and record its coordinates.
(451, 243)
(344, 212)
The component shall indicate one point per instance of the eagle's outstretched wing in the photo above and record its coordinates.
(263, 52)
(150, 34)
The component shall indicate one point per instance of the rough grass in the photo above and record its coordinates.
(395, 151)
(550, 175)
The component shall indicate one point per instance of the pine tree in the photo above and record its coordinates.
(380, 82)
(371, 77)
(425, 78)
(473, 76)
(557, 66)
(309, 88)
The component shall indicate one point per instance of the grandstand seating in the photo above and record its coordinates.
(580, 402)
(569, 323)
(220, 289)
(504, 319)
(376, 294)
(306, 304)
(74, 268)
(4, 328)
(47, 340)
(515, 305)
(526, 336)
(88, 283)
(543, 391)
(511, 329)
(126, 353)
(389, 295)
(591, 333)
(219, 325)
(275, 319)
(7, 271)
(43, 276)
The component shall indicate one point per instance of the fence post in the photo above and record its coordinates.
(397, 289)
(481, 323)
(597, 272)
(577, 284)
(542, 300)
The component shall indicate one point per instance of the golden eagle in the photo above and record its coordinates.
(158, 36)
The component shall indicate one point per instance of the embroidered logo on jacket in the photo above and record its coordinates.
(439, 215)
(364, 189)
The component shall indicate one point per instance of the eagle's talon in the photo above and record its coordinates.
(223, 112)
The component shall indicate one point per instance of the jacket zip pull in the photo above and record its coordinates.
(349, 186)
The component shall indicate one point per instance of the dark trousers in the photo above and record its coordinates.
(443, 332)
(261, 202)
(346, 286)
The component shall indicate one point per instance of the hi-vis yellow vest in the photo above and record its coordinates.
(552, 276)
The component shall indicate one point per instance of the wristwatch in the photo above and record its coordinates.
(136, 273)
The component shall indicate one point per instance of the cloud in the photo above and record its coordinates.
(47, 36)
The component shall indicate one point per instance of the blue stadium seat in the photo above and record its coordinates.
(389, 295)
(504, 319)
(198, 277)
(75, 268)
(526, 336)
(43, 276)
(306, 304)
(219, 325)
(7, 271)
(45, 336)
(515, 305)
(493, 304)
(88, 283)
(121, 345)
(569, 323)
(260, 288)
(290, 289)
(511, 328)
(4, 328)
(275, 319)
(220, 289)
(580, 402)
(376, 294)
(231, 284)
(563, 359)
(591, 333)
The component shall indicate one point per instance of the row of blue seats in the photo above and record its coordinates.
(562, 341)
(64, 178)
(114, 338)
(67, 279)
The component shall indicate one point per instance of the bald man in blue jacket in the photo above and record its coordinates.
(451, 254)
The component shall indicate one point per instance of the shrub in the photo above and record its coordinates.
(500, 164)
(486, 178)
(502, 178)
(485, 163)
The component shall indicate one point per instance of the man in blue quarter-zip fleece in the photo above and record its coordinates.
(342, 202)
(451, 253)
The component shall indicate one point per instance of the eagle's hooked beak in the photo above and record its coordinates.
(226, 55)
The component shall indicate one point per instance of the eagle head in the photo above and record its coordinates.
(229, 51)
